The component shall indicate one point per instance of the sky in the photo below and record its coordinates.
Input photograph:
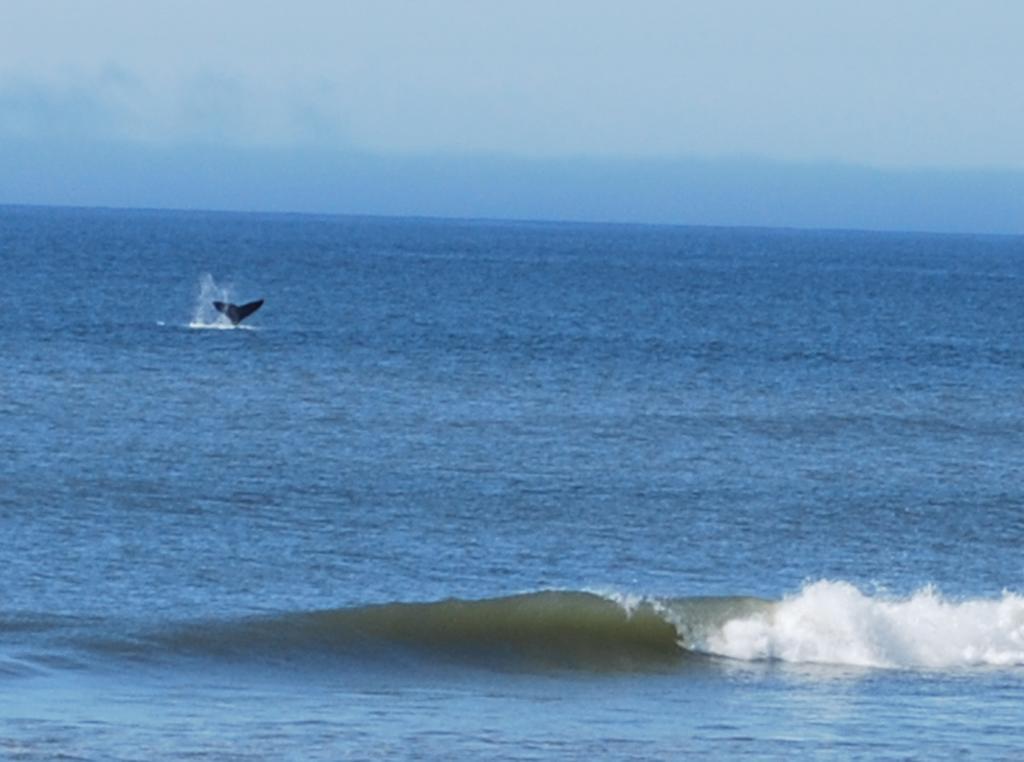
(791, 112)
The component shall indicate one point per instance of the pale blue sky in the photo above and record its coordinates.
(899, 86)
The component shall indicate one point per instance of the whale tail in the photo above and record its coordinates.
(237, 313)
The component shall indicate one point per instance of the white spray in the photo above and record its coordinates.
(203, 314)
(835, 623)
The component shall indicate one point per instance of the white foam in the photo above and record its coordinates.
(835, 623)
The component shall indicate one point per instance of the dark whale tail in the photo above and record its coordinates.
(235, 313)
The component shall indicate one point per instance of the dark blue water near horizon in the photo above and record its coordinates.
(513, 490)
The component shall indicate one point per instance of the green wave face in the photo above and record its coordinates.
(542, 630)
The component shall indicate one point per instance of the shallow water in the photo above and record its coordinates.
(520, 491)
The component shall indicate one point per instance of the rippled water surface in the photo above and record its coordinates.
(512, 491)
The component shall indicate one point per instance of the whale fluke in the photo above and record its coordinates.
(235, 313)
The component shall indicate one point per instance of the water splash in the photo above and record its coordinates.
(835, 623)
(203, 313)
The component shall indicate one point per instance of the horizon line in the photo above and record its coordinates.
(183, 210)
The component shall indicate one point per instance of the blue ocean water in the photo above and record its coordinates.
(507, 490)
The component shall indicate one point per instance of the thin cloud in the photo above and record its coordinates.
(207, 107)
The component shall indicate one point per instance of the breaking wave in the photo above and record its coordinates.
(835, 623)
(824, 623)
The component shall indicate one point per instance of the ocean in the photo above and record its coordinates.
(507, 491)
